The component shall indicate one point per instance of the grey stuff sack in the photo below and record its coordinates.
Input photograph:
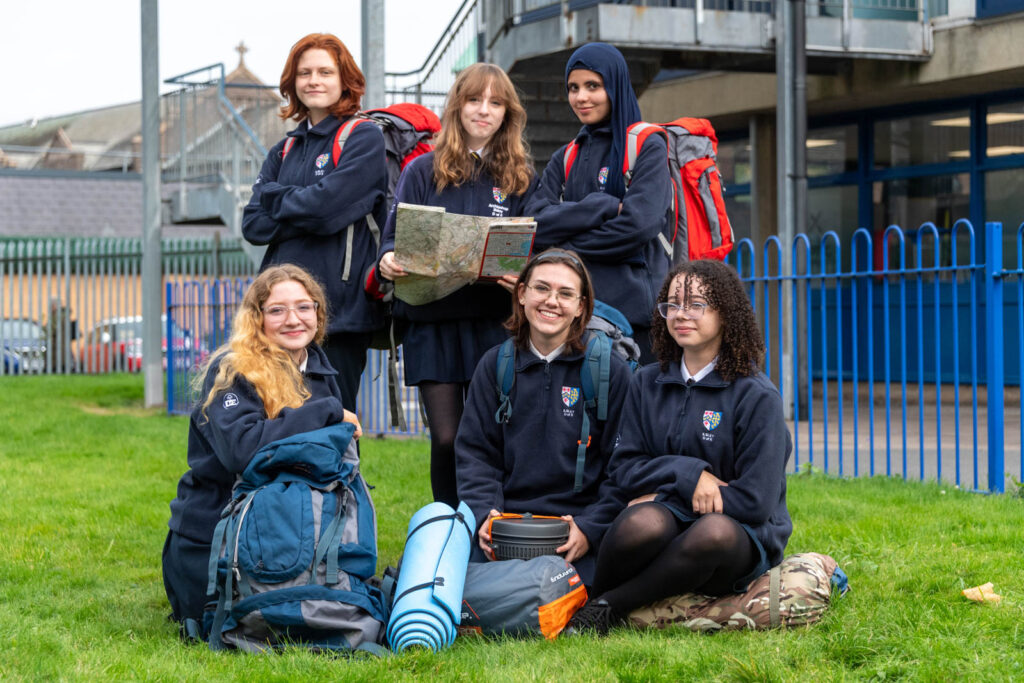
(535, 597)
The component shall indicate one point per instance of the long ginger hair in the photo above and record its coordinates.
(249, 352)
(508, 157)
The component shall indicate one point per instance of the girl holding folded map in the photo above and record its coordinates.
(481, 167)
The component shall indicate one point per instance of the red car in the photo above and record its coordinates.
(116, 345)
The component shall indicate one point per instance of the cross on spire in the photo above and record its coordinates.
(241, 49)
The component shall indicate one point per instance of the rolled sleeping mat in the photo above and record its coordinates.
(428, 602)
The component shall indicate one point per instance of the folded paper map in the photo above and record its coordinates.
(443, 252)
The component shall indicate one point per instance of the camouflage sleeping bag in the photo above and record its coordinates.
(794, 593)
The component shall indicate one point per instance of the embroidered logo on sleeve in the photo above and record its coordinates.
(230, 400)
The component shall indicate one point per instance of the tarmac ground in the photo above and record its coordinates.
(918, 437)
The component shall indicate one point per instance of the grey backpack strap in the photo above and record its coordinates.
(397, 410)
(774, 588)
(347, 270)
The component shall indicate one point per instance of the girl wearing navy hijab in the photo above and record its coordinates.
(613, 226)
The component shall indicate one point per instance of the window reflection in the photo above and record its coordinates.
(927, 139)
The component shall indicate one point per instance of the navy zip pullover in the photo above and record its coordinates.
(671, 431)
(221, 444)
(301, 208)
(529, 463)
(480, 196)
(621, 249)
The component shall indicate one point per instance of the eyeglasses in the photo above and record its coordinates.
(693, 310)
(541, 292)
(306, 309)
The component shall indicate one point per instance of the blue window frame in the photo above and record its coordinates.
(957, 177)
(990, 8)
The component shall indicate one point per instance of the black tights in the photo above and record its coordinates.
(649, 554)
(443, 403)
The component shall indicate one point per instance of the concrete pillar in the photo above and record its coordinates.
(763, 179)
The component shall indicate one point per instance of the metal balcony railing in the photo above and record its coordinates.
(209, 136)
(458, 47)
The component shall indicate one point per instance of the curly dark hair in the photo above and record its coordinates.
(742, 343)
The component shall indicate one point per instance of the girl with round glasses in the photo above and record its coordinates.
(480, 167)
(270, 381)
(529, 462)
(701, 458)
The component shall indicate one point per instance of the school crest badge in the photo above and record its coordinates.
(498, 195)
(602, 175)
(712, 418)
(570, 395)
(322, 160)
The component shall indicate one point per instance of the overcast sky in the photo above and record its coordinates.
(62, 56)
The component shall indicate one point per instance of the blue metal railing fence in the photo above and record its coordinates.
(897, 368)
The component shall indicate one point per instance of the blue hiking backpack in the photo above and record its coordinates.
(609, 321)
(608, 330)
(294, 549)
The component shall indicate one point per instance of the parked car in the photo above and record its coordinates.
(116, 344)
(24, 345)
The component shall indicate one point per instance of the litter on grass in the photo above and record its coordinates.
(982, 593)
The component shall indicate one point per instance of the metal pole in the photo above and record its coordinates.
(994, 367)
(798, 48)
(151, 257)
(783, 164)
(373, 53)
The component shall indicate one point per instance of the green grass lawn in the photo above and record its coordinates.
(87, 475)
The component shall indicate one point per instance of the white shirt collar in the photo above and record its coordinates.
(701, 374)
(551, 356)
(305, 361)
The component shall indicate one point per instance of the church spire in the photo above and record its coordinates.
(241, 49)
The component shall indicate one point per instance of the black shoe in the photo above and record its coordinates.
(595, 617)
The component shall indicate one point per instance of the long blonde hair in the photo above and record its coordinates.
(508, 157)
(249, 352)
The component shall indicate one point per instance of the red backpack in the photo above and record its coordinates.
(701, 227)
(408, 129)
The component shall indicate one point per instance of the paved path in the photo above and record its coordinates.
(842, 445)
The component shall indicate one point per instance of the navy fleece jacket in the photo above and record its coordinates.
(221, 443)
(301, 208)
(529, 463)
(672, 431)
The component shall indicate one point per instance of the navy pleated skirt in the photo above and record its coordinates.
(448, 351)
